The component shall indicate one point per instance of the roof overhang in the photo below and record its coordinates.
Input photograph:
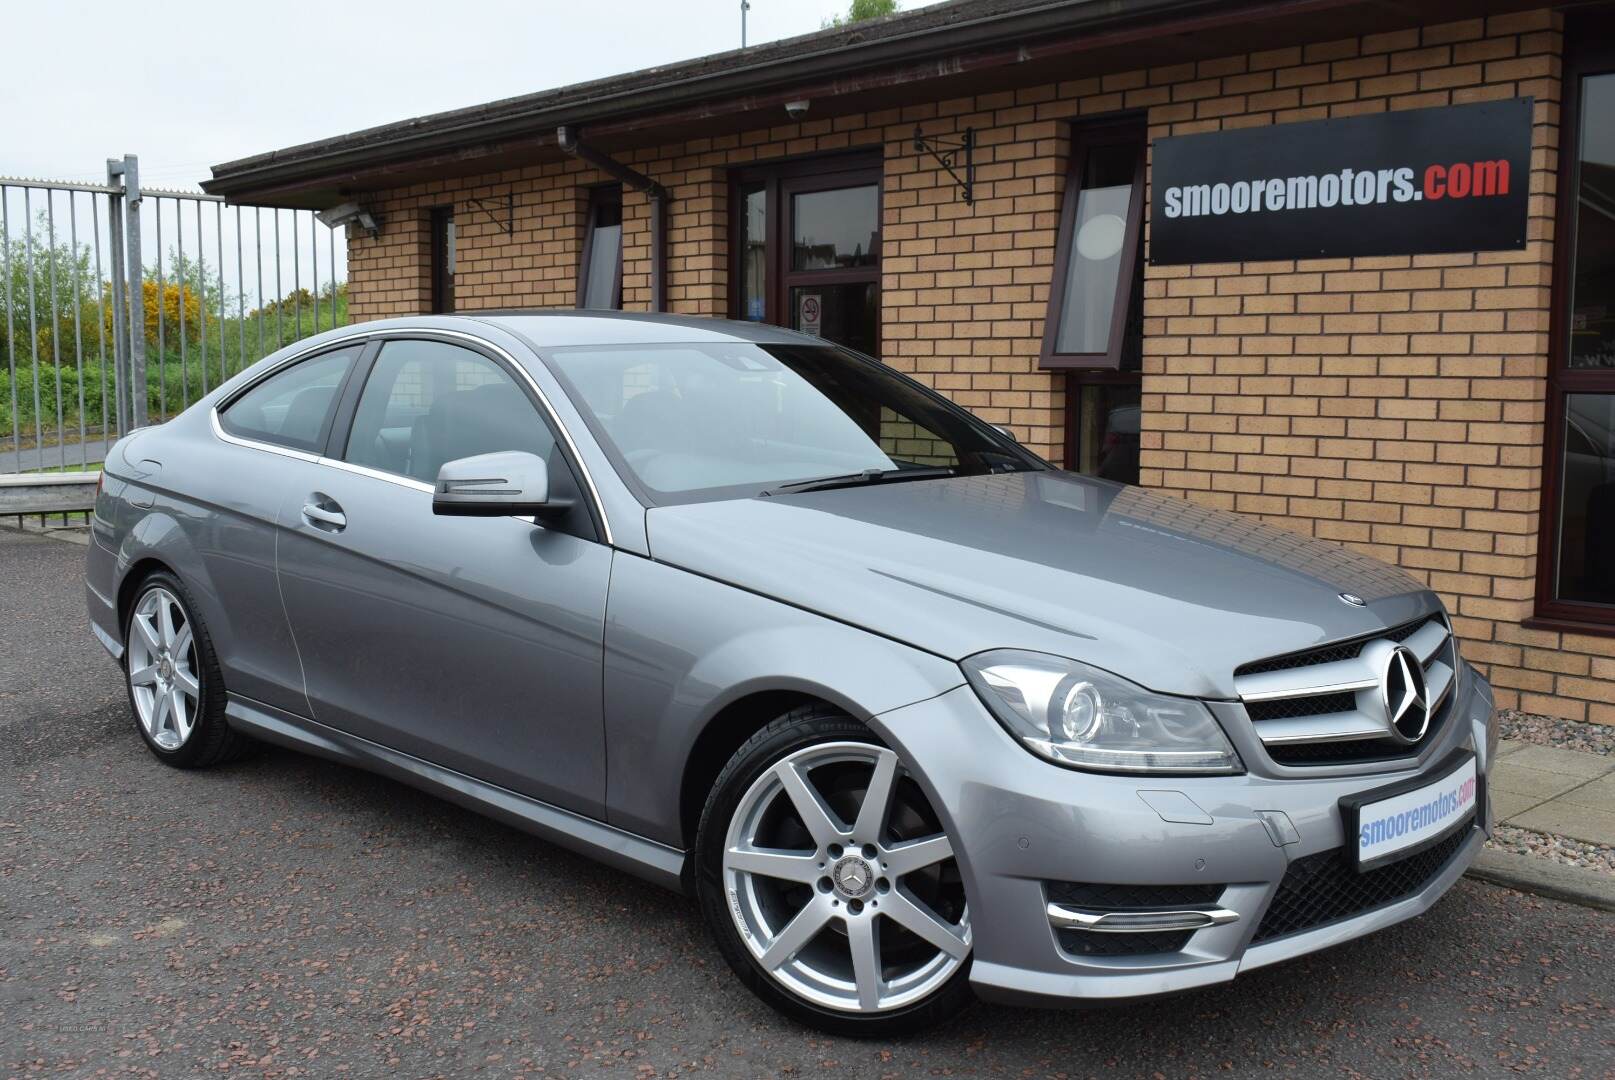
(948, 51)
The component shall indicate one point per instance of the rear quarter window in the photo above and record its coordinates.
(293, 407)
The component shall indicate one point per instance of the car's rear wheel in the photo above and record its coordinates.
(175, 687)
(830, 883)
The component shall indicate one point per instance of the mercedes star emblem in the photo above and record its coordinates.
(1406, 699)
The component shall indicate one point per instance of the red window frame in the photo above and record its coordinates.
(779, 181)
(1085, 140)
(443, 244)
(1589, 51)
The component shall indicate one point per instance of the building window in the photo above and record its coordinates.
(1095, 325)
(442, 260)
(1577, 580)
(1097, 268)
(1103, 417)
(808, 251)
(600, 283)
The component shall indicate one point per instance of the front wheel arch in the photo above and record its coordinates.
(724, 733)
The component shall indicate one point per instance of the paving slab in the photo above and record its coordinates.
(1508, 804)
(1509, 746)
(1508, 775)
(1569, 819)
(1598, 794)
(1569, 762)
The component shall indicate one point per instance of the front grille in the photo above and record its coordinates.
(1357, 751)
(1329, 654)
(1340, 753)
(1102, 897)
(1324, 706)
(1316, 705)
(1088, 943)
(1325, 888)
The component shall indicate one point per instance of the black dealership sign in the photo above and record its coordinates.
(1397, 183)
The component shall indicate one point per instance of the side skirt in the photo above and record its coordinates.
(636, 855)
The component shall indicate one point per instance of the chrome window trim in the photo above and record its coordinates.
(254, 444)
(415, 332)
(377, 474)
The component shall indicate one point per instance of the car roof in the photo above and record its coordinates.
(557, 329)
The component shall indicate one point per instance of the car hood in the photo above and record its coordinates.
(1167, 593)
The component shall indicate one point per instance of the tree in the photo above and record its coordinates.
(49, 294)
(861, 10)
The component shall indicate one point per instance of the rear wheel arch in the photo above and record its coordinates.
(129, 587)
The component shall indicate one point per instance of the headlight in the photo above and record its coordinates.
(1076, 715)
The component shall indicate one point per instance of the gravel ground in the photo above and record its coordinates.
(289, 917)
(1551, 731)
(1565, 735)
(1561, 849)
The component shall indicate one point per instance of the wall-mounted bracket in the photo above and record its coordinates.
(957, 156)
(491, 209)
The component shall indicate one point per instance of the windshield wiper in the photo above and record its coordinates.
(859, 479)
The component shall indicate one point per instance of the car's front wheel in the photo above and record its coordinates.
(830, 883)
(175, 686)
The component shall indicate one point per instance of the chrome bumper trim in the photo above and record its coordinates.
(1137, 922)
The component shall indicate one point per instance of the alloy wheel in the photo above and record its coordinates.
(841, 881)
(162, 669)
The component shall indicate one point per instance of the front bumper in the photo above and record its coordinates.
(1019, 823)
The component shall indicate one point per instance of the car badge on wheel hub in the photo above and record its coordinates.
(852, 876)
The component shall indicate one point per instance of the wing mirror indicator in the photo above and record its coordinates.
(510, 483)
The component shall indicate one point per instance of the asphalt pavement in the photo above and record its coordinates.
(289, 917)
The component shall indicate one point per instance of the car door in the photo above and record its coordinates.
(235, 491)
(474, 643)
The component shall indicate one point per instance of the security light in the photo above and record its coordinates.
(338, 216)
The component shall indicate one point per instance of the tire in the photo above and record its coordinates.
(813, 976)
(199, 736)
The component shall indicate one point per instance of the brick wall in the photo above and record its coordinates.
(1391, 404)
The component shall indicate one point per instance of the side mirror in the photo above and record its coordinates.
(1006, 433)
(511, 483)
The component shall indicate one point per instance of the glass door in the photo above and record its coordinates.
(808, 251)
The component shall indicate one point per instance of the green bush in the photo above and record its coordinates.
(173, 378)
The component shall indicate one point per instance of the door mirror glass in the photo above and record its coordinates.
(503, 484)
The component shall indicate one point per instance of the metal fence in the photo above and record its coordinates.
(119, 306)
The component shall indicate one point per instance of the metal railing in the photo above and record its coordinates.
(120, 306)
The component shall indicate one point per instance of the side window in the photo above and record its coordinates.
(427, 402)
(293, 407)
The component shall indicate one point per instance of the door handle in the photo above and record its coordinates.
(329, 516)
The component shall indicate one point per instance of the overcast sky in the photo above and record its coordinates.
(187, 84)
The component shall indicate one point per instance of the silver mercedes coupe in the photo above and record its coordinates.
(913, 715)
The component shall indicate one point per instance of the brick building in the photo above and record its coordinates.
(1452, 413)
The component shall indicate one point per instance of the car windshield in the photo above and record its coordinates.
(690, 422)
